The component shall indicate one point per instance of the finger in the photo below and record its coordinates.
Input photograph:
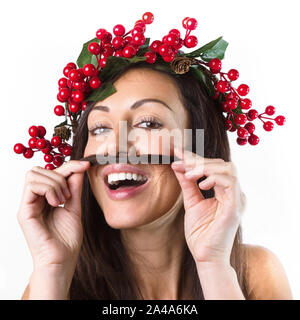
(73, 204)
(190, 191)
(183, 167)
(72, 166)
(35, 176)
(60, 179)
(34, 189)
(209, 169)
(220, 180)
(192, 160)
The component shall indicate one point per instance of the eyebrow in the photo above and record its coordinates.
(135, 105)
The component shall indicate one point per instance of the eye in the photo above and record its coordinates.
(149, 123)
(97, 129)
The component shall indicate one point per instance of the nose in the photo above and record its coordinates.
(118, 143)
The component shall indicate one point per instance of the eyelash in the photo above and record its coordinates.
(151, 120)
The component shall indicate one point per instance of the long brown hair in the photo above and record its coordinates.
(103, 269)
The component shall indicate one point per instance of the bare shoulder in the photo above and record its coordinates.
(266, 277)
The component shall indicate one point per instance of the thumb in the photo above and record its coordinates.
(190, 190)
(75, 182)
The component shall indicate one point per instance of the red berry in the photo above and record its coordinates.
(165, 50)
(228, 124)
(89, 69)
(79, 85)
(270, 110)
(72, 65)
(67, 150)
(64, 94)
(62, 83)
(241, 141)
(129, 51)
(59, 110)
(243, 89)
(176, 32)
(66, 70)
(32, 142)
(225, 107)
(77, 96)
(184, 21)
(232, 103)
(233, 74)
(171, 39)
(215, 65)
(245, 103)
(151, 56)
(252, 114)
(191, 41)
(148, 17)
(100, 33)
(56, 141)
(242, 133)
(119, 30)
(118, 42)
(108, 50)
(33, 131)
(74, 107)
(95, 82)
(253, 139)
(138, 39)
(222, 86)
(48, 157)
(268, 126)
(28, 153)
(155, 45)
(191, 24)
(103, 62)
(94, 48)
(19, 148)
(241, 119)
(41, 143)
(169, 58)
(280, 120)
(118, 53)
(136, 30)
(41, 131)
(49, 166)
(106, 38)
(250, 127)
(83, 105)
(58, 160)
(47, 149)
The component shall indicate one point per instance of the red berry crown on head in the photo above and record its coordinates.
(102, 56)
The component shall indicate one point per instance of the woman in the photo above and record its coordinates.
(174, 238)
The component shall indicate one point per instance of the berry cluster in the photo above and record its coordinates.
(37, 142)
(233, 104)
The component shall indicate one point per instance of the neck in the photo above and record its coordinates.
(155, 251)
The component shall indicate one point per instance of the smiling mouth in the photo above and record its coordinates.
(122, 181)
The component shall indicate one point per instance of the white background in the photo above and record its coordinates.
(38, 38)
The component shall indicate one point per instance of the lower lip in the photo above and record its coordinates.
(124, 193)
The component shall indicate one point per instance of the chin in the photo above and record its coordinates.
(126, 218)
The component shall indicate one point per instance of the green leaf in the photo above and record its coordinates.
(136, 59)
(213, 49)
(61, 124)
(102, 92)
(204, 80)
(144, 48)
(113, 64)
(85, 56)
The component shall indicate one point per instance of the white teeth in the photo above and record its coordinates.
(114, 178)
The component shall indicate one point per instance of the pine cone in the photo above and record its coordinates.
(181, 65)
(63, 132)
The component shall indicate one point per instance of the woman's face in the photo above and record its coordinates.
(132, 203)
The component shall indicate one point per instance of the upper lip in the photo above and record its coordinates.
(121, 167)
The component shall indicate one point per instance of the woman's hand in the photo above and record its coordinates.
(53, 233)
(210, 224)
